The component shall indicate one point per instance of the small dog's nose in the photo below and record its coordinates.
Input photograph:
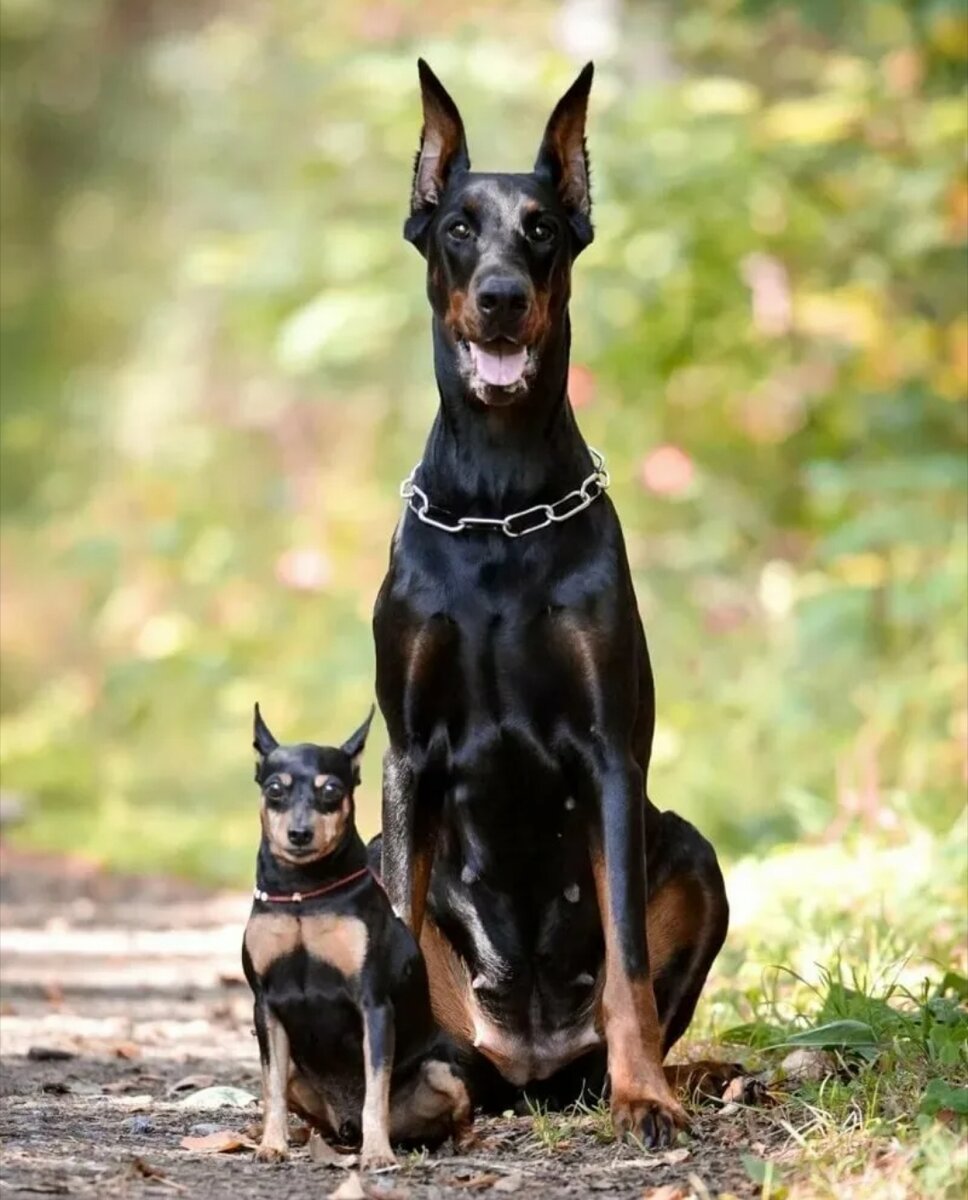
(502, 296)
(300, 837)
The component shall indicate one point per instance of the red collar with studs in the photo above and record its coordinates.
(297, 897)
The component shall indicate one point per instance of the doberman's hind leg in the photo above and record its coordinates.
(686, 920)
(432, 1106)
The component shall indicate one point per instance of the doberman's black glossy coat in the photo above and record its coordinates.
(342, 1008)
(560, 912)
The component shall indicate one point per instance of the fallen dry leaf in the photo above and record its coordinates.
(118, 1086)
(49, 1054)
(189, 1082)
(127, 1050)
(673, 1157)
(377, 1190)
(139, 1168)
(475, 1182)
(210, 1098)
(668, 1191)
(320, 1151)
(510, 1183)
(349, 1189)
(224, 1141)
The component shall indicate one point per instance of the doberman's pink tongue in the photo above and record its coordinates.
(496, 368)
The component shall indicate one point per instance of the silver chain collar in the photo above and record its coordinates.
(543, 514)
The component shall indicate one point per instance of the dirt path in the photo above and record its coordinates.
(138, 983)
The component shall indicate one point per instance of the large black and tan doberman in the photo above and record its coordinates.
(568, 924)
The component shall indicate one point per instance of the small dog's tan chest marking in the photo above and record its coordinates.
(269, 936)
(338, 940)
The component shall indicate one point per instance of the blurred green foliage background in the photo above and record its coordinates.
(216, 368)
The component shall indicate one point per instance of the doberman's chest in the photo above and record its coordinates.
(485, 670)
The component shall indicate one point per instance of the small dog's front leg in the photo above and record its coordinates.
(274, 1052)
(378, 1044)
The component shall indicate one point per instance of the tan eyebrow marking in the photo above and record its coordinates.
(320, 780)
(285, 778)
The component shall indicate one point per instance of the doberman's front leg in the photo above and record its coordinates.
(378, 1041)
(641, 1100)
(409, 839)
(274, 1052)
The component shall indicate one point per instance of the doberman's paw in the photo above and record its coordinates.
(378, 1158)
(464, 1137)
(271, 1152)
(653, 1122)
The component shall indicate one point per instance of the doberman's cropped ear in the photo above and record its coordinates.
(262, 740)
(443, 150)
(354, 744)
(563, 157)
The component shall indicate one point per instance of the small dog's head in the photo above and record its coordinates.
(307, 792)
(499, 247)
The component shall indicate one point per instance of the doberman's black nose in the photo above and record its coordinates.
(501, 297)
(300, 837)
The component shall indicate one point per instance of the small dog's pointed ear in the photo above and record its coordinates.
(443, 149)
(262, 740)
(354, 744)
(563, 157)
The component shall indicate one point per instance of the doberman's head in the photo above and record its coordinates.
(307, 792)
(499, 247)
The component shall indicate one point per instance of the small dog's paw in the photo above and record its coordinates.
(652, 1121)
(378, 1159)
(269, 1152)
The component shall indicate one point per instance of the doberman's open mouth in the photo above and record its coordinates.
(500, 363)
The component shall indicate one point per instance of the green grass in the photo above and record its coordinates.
(856, 953)
(550, 1129)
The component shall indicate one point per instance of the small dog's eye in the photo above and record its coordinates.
(332, 789)
(541, 231)
(275, 790)
(460, 231)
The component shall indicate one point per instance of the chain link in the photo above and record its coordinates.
(542, 515)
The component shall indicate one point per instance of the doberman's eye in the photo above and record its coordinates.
(275, 791)
(541, 232)
(460, 231)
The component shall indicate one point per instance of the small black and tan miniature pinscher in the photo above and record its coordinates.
(568, 923)
(342, 1007)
